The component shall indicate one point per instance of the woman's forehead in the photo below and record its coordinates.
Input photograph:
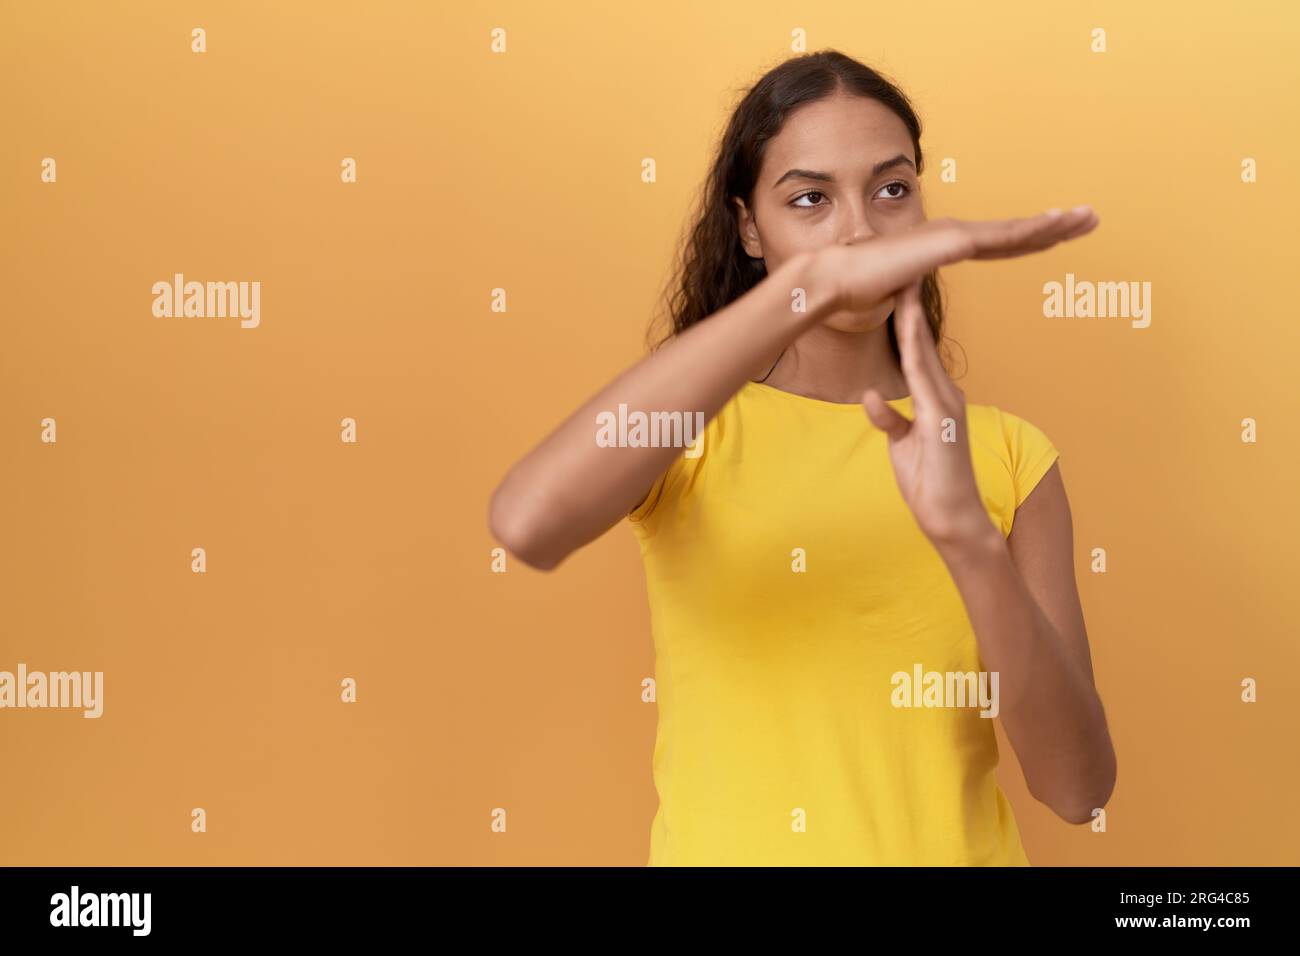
(844, 139)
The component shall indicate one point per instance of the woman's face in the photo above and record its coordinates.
(842, 170)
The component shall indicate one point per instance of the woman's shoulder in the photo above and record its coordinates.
(1022, 446)
(719, 435)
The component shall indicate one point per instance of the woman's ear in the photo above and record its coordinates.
(748, 231)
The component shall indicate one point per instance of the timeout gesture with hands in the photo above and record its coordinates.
(534, 511)
(931, 453)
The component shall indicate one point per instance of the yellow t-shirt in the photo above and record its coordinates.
(778, 740)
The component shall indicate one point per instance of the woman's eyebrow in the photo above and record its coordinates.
(899, 160)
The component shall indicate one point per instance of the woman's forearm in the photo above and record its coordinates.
(1049, 706)
(569, 490)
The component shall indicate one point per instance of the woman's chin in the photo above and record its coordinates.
(857, 321)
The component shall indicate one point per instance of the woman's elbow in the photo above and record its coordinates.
(518, 531)
(1083, 801)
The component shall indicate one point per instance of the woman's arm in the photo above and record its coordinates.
(568, 490)
(1019, 592)
(1023, 602)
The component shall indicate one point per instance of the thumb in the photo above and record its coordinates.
(884, 416)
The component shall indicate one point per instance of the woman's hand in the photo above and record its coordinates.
(931, 452)
(860, 276)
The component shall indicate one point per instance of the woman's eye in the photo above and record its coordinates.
(805, 196)
(898, 184)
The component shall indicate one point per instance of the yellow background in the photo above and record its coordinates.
(522, 171)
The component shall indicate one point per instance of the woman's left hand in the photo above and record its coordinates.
(931, 452)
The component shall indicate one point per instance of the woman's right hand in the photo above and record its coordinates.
(862, 275)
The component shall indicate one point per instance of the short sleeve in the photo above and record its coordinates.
(675, 482)
(668, 487)
(1031, 453)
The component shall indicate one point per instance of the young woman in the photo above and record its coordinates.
(851, 570)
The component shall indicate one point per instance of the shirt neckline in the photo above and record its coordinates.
(856, 406)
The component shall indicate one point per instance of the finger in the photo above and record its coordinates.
(1069, 222)
(1088, 224)
(1084, 221)
(1015, 237)
(1044, 226)
(916, 350)
(928, 350)
(1003, 238)
(1051, 227)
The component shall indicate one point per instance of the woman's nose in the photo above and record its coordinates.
(860, 233)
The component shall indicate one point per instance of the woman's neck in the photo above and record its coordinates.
(839, 366)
